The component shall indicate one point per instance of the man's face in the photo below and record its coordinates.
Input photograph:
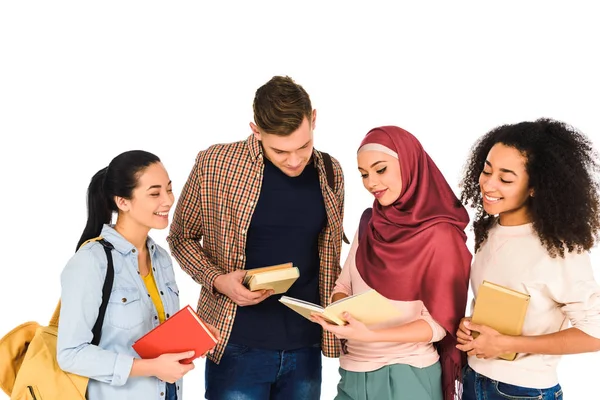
(289, 153)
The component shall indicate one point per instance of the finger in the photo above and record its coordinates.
(472, 353)
(184, 355)
(349, 318)
(475, 327)
(464, 330)
(260, 299)
(463, 336)
(465, 347)
(462, 341)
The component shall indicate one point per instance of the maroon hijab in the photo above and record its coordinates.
(415, 248)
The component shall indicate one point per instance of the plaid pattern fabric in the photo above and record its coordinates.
(208, 232)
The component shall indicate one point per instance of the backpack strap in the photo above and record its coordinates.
(364, 222)
(330, 174)
(106, 290)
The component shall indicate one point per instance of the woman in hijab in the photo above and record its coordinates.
(411, 249)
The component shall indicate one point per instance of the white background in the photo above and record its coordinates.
(81, 82)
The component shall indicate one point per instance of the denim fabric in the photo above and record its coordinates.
(480, 387)
(130, 315)
(246, 373)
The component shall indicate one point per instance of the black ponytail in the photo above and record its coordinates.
(118, 179)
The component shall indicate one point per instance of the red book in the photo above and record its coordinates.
(183, 331)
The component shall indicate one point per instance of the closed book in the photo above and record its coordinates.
(278, 278)
(502, 309)
(183, 331)
(368, 307)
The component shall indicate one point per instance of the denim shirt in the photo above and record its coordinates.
(130, 314)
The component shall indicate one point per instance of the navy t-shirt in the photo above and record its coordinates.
(285, 227)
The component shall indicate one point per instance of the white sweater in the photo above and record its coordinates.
(562, 290)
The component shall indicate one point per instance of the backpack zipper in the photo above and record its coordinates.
(32, 392)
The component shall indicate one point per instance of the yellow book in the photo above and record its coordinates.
(278, 278)
(502, 309)
(368, 307)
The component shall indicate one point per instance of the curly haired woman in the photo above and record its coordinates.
(535, 189)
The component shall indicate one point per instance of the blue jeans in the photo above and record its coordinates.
(171, 392)
(480, 387)
(246, 373)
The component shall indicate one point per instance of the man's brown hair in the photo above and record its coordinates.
(280, 106)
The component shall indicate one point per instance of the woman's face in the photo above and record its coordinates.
(381, 175)
(504, 184)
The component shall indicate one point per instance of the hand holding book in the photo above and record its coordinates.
(232, 286)
(489, 344)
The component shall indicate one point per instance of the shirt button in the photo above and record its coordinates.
(162, 393)
(133, 250)
(251, 203)
(229, 317)
(161, 292)
(168, 315)
(155, 317)
(241, 258)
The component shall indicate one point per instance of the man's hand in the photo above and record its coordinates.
(231, 286)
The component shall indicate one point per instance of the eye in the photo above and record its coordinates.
(503, 181)
(364, 176)
(486, 173)
(382, 170)
(154, 194)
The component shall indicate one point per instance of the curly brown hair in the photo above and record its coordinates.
(563, 171)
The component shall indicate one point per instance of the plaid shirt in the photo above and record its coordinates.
(216, 206)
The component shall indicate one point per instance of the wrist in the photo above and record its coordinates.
(507, 343)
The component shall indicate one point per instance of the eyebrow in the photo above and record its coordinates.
(285, 151)
(374, 164)
(158, 186)
(502, 169)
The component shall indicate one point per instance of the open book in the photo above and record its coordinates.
(278, 278)
(183, 331)
(502, 309)
(368, 307)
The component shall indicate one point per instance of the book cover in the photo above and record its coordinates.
(278, 278)
(183, 331)
(502, 309)
(369, 307)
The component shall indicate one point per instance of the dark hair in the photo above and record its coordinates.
(120, 178)
(563, 172)
(280, 106)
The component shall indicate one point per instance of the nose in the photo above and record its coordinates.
(371, 182)
(487, 184)
(294, 160)
(168, 199)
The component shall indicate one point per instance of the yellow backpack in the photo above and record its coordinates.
(28, 366)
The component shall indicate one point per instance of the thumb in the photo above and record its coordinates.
(239, 274)
(349, 318)
(185, 354)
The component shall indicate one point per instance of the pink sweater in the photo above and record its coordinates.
(362, 356)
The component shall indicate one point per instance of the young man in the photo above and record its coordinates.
(259, 202)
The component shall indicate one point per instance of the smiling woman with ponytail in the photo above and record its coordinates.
(136, 187)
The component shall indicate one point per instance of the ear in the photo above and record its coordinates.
(255, 131)
(531, 193)
(313, 123)
(122, 203)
